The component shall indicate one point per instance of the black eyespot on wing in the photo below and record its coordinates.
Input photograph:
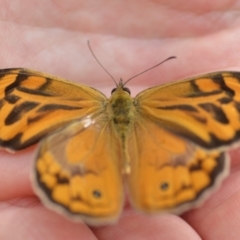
(97, 194)
(164, 186)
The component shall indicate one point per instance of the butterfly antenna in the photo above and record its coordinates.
(149, 69)
(89, 46)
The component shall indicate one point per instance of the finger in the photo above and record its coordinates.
(36, 222)
(137, 226)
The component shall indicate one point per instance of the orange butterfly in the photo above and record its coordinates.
(166, 146)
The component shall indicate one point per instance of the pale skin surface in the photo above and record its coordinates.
(127, 37)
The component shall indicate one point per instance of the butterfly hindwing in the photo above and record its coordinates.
(77, 173)
(175, 175)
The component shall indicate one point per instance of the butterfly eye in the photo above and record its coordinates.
(114, 89)
(124, 89)
(127, 90)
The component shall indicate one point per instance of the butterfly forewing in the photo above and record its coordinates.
(204, 110)
(33, 104)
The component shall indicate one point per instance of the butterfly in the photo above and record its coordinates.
(165, 149)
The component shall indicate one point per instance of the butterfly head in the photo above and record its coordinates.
(120, 87)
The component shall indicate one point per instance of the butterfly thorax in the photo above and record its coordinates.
(121, 110)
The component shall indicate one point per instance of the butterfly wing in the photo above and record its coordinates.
(168, 173)
(205, 110)
(32, 104)
(178, 140)
(77, 172)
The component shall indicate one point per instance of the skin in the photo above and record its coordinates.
(128, 37)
